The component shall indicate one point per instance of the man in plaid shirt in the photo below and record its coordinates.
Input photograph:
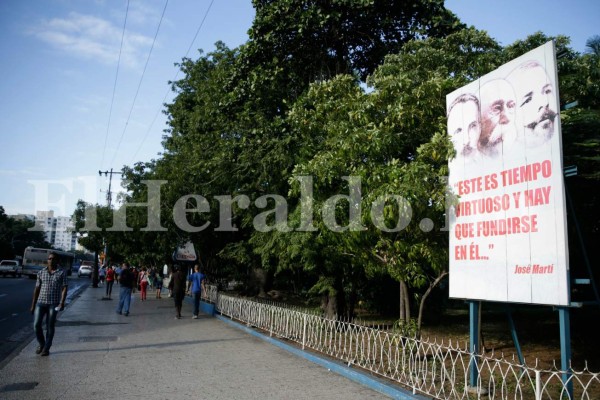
(48, 299)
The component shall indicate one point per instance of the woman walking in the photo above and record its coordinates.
(143, 283)
(110, 279)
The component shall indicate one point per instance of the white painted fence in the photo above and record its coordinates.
(434, 369)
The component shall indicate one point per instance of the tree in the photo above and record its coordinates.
(228, 132)
(593, 45)
(393, 139)
(310, 94)
(91, 222)
(15, 236)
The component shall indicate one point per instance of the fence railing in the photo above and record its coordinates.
(435, 369)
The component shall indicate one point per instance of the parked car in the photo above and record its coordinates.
(12, 267)
(85, 270)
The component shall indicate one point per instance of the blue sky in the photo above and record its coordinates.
(59, 63)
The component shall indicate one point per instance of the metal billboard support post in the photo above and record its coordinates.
(513, 334)
(565, 348)
(474, 341)
(564, 313)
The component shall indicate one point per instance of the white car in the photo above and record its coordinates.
(85, 270)
(11, 267)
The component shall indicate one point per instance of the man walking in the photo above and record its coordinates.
(196, 286)
(49, 298)
(126, 282)
(178, 282)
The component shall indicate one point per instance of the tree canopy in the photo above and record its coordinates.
(15, 236)
(301, 149)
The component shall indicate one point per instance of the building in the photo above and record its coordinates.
(59, 231)
(23, 217)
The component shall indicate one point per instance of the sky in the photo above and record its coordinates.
(78, 97)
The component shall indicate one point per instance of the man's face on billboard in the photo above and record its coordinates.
(497, 117)
(535, 100)
(464, 127)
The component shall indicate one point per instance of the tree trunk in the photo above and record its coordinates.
(329, 305)
(257, 281)
(405, 292)
(95, 271)
(333, 303)
(425, 295)
(404, 302)
(352, 300)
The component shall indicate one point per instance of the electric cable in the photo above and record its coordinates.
(114, 86)
(140, 83)
(169, 88)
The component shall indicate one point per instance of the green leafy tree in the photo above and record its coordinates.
(15, 236)
(593, 45)
(392, 138)
(91, 223)
(228, 132)
(329, 90)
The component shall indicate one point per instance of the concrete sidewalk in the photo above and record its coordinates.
(98, 354)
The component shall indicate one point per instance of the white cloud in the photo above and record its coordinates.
(140, 13)
(90, 37)
(21, 172)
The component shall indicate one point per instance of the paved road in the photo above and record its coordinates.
(15, 317)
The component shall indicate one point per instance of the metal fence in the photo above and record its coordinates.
(434, 369)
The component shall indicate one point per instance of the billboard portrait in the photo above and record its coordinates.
(508, 238)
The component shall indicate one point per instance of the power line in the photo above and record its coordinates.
(198, 31)
(115, 85)
(140, 83)
(173, 80)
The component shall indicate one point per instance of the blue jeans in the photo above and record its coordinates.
(197, 302)
(42, 310)
(124, 300)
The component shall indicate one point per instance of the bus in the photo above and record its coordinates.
(35, 259)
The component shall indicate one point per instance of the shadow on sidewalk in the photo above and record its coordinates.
(155, 345)
(82, 323)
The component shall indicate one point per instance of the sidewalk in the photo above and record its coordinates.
(98, 354)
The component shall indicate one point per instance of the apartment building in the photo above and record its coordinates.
(58, 230)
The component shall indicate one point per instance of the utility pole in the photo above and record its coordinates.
(109, 193)
(109, 203)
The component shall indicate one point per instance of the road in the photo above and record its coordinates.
(15, 318)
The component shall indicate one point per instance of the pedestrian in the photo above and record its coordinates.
(126, 282)
(158, 282)
(102, 274)
(178, 279)
(170, 284)
(151, 277)
(195, 287)
(143, 283)
(110, 279)
(136, 273)
(49, 298)
(117, 274)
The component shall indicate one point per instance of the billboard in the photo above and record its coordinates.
(185, 253)
(508, 239)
